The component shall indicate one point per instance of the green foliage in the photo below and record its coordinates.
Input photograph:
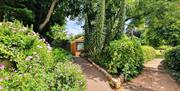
(23, 14)
(61, 55)
(148, 52)
(70, 78)
(94, 25)
(165, 47)
(104, 22)
(36, 67)
(124, 57)
(35, 12)
(172, 62)
(4, 53)
(172, 58)
(158, 20)
(170, 36)
(160, 51)
(164, 25)
(57, 35)
(62, 77)
(23, 82)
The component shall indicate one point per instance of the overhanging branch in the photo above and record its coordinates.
(48, 15)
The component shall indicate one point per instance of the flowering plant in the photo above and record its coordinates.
(36, 68)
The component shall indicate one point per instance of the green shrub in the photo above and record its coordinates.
(57, 35)
(5, 54)
(148, 52)
(69, 78)
(124, 57)
(172, 58)
(37, 67)
(23, 82)
(172, 62)
(61, 55)
(61, 78)
(160, 51)
(165, 47)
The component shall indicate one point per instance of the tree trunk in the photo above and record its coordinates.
(42, 25)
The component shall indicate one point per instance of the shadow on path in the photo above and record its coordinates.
(96, 80)
(153, 78)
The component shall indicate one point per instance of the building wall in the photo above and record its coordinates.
(73, 49)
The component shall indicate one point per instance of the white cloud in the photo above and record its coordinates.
(73, 28)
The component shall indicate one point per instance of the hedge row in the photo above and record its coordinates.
(149, 53)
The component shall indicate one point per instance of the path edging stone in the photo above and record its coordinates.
(114, 82)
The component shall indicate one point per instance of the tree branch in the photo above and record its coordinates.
(42, 25)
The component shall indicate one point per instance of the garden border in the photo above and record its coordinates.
(114, 82)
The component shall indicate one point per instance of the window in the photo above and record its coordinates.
(80, 46)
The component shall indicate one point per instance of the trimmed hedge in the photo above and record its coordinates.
(172, 62)
(165, 47)
(160, 51)
(124, 57)
(35, 66)
(148, 52)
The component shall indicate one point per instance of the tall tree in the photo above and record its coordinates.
(115, 20)
(156, 19)
(104, 23)
(41, 13)
(99, 32)
(94, 25)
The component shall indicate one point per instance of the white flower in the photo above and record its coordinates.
(6, 78)
(29, 58)
(49, 47)
(1, 87)
(43, 40)
(1, 79)
(39, 46)
(35, 34)
(34, 53)
(21, 75)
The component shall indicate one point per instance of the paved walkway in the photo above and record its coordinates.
(153, 78)
(95, 79)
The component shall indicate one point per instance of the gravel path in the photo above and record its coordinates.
(153, 78)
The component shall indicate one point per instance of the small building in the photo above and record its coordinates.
(77, 46)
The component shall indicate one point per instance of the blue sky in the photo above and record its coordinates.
(72, 27)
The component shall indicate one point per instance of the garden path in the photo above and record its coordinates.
(153, 78)
(96, 81)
